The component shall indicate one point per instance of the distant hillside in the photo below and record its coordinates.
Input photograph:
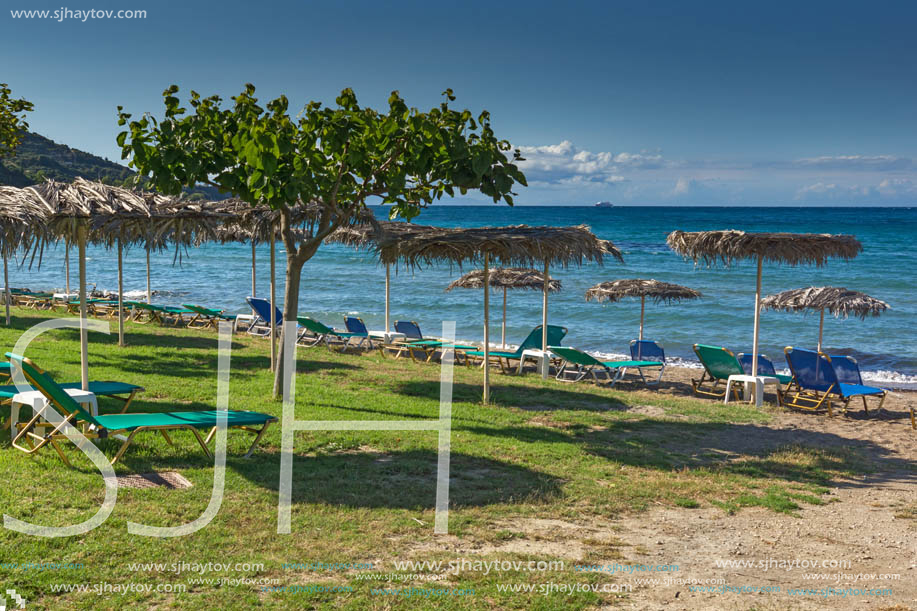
(37, 158)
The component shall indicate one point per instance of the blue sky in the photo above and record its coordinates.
(637, 103)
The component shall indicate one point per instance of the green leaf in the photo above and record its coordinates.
(268, 163)
(481, 163)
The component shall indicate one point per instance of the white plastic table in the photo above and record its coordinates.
(757, 381)
(541, 358)
(37, 401)
(243, 318)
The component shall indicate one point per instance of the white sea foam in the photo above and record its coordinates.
(890, 379)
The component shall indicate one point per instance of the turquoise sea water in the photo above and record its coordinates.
(339, 280)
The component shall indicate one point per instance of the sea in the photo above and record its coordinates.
(341, 281)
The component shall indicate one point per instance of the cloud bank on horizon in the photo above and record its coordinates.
(566, 174)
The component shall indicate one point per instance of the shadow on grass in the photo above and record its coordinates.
(404, 480)
(509, 395)
(203, 364)
(146, 339)
(800, 456)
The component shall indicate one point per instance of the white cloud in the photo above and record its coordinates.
(563, 163)
(898, 187)
(684, 186)
(890, 190)
(880, 163)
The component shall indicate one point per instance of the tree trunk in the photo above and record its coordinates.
(297, 253)
(295, 264)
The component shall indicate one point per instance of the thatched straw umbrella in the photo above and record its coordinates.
(513, 245)
(506, 278)
(366, 234)
(20, 226)
(728, 246)
(260, 224)
(840, 302)
(82, 211)
(70, 211)
(257, 225)
(664, 292)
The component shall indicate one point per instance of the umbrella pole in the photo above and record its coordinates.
(120, 292)
(486, 331)
(642, 307)
(754, 359)
(84, 340)
(273, 310)
(387, 295)
(544, 324)
(503, 328)
(821, 327)
(149, 290)
(67, 270)
(254, 277)
(6, 292)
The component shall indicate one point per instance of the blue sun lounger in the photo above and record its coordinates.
(261, 326)
(358, 328)
(648, 350)
(766, 368)
(817, 383)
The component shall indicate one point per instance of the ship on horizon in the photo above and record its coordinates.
(604, 205)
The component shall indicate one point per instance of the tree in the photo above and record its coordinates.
(12, 120)
(336, 158)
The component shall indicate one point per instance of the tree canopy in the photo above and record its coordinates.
(12, 120)
(338, 156)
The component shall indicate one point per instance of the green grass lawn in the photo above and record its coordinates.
(541, 450)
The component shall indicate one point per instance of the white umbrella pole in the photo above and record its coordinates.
(387, 295)
(149, 289)
(254, 277)
(642, 308)
(67, 270)
(84, 340)
(486, 331)
(273, 310)
(503, 328)
(754, 358)
(821, 327)
(120, 293)
(544, 323)
(6, 286)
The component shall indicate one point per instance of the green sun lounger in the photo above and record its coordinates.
(117, 390)
(532, 342)
(157, 313)
(107, 426)
(581, 365)
(314, 333)
(206, 317)
(414, 340)
(719, 363)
